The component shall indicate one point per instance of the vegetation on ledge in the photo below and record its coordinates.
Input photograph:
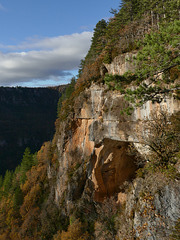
(27, 195)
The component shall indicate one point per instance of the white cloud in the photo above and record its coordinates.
(48, 58)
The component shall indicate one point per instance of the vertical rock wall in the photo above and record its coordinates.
(98, 137)
(94, 160)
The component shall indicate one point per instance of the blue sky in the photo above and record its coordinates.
(43, 41)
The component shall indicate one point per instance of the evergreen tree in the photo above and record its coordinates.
(158, 61)
(98, 41)
(1, 181)
(70, 88)
(67, 94)
(18, 197)
(81, 66)
(7, 183)
(26, 164)
(160, 52)
(129, 9)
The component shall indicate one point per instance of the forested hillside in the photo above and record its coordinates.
(149, 27)
(27, 117)
(111, 170)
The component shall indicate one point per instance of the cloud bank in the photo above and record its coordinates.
(43, 59)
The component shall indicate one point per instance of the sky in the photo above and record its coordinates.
(43, 41)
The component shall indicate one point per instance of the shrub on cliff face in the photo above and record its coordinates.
(162, 136)
(176, 231)
(66, 95)
(106, 224)
(75, 232)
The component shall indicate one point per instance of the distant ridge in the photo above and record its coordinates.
(27, 117)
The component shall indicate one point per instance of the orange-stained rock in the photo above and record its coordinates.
(113, 167)
(122, 197)
(96, 139)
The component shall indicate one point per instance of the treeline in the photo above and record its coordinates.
(157, 62)
(27, 209)
(150, 29)
(120, 34)
(27, 117)
(12, 180)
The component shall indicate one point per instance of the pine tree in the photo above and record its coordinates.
(98, 41)
(18, 197)
(7, 183)
(1, 181)
(160, 51)
(158, 62)
(26, 164)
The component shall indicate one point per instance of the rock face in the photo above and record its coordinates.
(98, 139)
(152, 214)
(121, 64)
(94, 160)
(112, 167)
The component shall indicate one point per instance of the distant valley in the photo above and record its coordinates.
(27, 117)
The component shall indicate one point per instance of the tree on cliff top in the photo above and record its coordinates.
(158, 62)
(98, 41)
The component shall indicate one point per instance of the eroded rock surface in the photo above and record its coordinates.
(112, 167)
(121, 64)
(94, 163)
(97, 139)
(153, 208)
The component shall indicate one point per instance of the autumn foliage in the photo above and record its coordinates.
(27, 207)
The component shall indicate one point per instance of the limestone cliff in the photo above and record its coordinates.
(112, 170)
(94, 160)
